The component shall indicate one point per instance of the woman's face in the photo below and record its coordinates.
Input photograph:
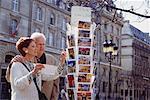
(32, 50)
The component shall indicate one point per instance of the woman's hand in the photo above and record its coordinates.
(37, 68)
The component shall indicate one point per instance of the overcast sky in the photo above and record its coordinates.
(139, 6)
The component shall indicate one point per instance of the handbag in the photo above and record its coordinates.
(40, 94)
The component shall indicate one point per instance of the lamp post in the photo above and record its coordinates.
(110, 51)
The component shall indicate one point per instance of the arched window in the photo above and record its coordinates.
(39, 14)
(15, 5)
(8, 58)
(52, 19)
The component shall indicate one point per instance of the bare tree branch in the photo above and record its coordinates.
(104, 3)
(129, 11)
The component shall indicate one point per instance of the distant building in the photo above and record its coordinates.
(110, 29)
(21, 18)
(135, 60)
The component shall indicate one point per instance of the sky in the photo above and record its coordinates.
(139, 6)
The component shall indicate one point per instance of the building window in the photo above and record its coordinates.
(105, 26)
(37, 30)
(39, 14)
(130, 92)
(50, 39)
(52, 19)
(52, 1)
(112, 38)
(64, 24)
(112, 28)
(14, 27)
(8, 58)
(15, 5)
(63, 43)
(126, 92)
(121, 92)
(117, 42)
(62, 5)
(49, 1)
(104, 87)
(117, 31)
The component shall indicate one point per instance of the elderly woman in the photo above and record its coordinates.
(21, 76)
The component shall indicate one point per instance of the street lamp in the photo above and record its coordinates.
(110, 51)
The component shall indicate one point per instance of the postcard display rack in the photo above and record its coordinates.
(80, 54)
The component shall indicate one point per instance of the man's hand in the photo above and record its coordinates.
(18, 58)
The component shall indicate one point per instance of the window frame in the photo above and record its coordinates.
(39, 14)
(52, 19)
(15, 5)
(13, 26)
(50, 39)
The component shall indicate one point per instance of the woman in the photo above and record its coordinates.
(22, 84)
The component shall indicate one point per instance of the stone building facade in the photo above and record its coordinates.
(136, 62)
(22, 18)
(108, 30)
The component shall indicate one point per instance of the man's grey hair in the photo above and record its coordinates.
(37, 35)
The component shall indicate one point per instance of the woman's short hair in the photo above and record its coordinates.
(23, 42)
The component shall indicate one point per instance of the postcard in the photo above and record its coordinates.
(84, 51)
(84, 42)
(71, 53)
(71, 40)
(84, 95)
(83, 87)
(71, 81)
(71, 66)
(71, 95)
(84, 60)
(84, 25)
(84, 77)
(84, 33)
(84, 69)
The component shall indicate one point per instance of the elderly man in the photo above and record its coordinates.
(50, 88)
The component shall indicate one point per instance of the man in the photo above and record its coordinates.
(50, 88)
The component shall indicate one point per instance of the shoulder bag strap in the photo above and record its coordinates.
(34, 79)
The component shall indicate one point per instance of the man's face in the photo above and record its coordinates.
(40, 43)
